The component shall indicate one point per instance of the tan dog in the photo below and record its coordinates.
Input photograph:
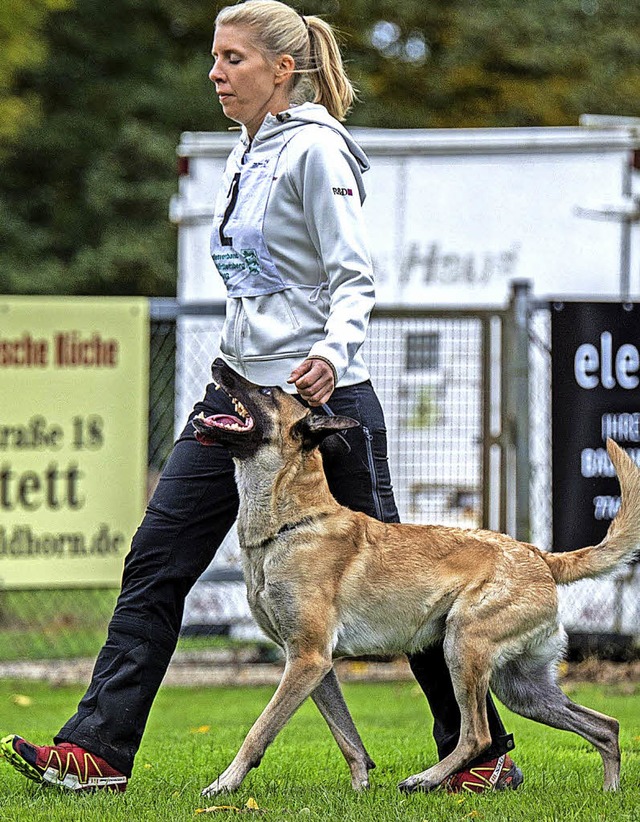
(325, 582)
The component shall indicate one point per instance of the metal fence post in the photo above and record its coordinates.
(516, 389)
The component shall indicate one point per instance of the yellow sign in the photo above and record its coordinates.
(73, 437)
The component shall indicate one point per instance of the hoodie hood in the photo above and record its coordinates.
(301, 115)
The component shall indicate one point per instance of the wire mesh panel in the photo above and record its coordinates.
(427, 371)
(197, 346)
(428, 374)
(162, 365)
(53, 624)
(217, 604)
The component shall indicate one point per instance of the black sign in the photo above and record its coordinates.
(595, 394)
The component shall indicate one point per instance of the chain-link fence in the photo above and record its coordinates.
(446, 390)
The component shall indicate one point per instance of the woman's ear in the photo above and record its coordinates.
(285, 66)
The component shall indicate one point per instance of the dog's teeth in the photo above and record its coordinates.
(239, 407)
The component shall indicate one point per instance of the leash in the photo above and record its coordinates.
(337, 437)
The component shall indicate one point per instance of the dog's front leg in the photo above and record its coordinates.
(330, 702)
(302, 674)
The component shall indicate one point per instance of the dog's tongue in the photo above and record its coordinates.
(219, 420)
(223, 419)
(213, 422)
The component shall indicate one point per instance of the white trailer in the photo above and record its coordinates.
(454, 215)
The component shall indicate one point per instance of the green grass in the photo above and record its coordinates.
(303, 776)
(54, 624)
(67, 624)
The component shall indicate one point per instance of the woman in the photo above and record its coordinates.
(288, 240)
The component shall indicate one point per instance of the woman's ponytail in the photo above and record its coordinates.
(332, 87)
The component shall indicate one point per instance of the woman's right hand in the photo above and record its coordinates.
(314, 381)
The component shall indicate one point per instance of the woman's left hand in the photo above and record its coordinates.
(314, 381)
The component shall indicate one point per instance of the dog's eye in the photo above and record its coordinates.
(266, 391)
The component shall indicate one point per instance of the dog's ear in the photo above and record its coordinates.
(314, 428)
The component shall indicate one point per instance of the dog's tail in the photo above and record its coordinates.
(621, 541)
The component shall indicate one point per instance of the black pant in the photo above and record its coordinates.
(194, 506)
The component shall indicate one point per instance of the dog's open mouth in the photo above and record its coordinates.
(208, 427)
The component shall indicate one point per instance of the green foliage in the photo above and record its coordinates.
(495, 63)
(21, 46)
(84, 199)
(94, 96)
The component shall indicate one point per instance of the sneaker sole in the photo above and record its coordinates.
(20, 764)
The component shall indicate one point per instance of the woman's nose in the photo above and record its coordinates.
(215, 74)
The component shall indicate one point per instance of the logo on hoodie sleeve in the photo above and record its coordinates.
(343, 192)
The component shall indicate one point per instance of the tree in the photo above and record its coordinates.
(87, 177)
(84, 199)
(20, 46)
(461, 63)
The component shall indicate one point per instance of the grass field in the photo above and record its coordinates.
(193, 734)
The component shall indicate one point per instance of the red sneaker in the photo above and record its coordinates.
(64, 765)
(493, 775)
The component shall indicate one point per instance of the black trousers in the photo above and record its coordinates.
(194, 506)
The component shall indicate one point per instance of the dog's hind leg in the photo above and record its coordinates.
(330, 702)
(302, 675)
(465, 654)
(529, 688)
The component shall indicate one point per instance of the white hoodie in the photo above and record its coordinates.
(289, 240)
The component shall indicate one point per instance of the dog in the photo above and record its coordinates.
(325, 582)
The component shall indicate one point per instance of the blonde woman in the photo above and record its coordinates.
(289, 242)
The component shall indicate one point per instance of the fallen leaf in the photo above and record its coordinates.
(251, 806)
(22, 701)
(215, 808)
(203, 729)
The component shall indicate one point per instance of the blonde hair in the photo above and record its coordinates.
(319, 73)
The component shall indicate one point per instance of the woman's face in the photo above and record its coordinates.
(248, 84)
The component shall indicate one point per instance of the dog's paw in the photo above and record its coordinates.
(417, 782)
(216, 787)
(360, 784)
